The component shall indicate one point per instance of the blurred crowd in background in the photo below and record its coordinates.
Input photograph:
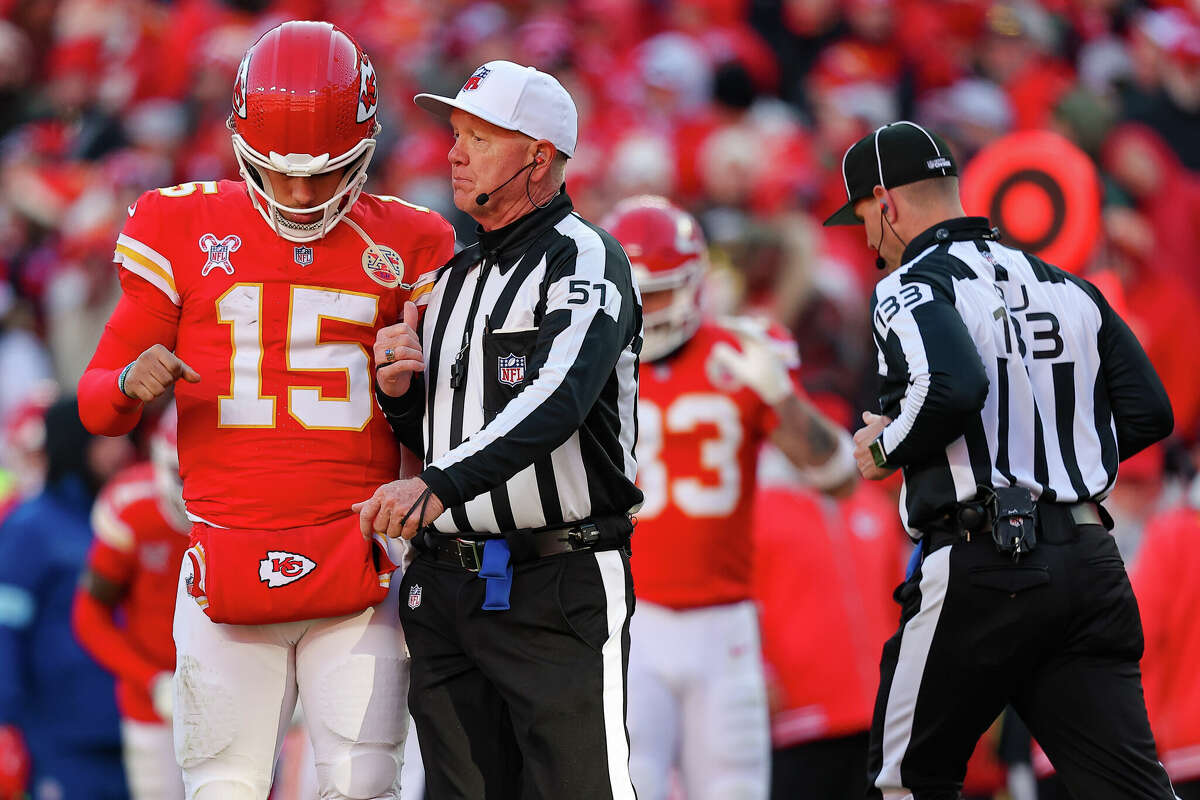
(738, 110)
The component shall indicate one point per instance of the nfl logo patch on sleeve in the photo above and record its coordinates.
(414, 596)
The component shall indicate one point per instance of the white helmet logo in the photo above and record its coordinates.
(239, 87)
(368, 92)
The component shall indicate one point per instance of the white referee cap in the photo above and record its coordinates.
(515, 98)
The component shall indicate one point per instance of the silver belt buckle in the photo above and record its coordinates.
(475, 562)
(1086, 513)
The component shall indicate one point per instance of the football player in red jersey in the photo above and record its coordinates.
(132, 572)
(710, 396)
(265, 296)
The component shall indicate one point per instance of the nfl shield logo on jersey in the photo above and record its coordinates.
(303, 255)
(414, 596)
(218, 251)
(511, 369)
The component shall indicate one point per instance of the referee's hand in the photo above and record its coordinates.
(862, 440)
(398, 353)
(385, 511)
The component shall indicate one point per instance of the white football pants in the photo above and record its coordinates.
(236, 688)
(148, 751)
(296, 776)
(698, 701)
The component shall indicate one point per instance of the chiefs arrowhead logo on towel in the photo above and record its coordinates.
(280, 568)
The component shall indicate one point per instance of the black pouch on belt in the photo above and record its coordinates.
(1014, 526)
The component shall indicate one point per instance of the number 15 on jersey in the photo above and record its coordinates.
(247, 405)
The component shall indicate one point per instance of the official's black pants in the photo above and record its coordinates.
(823, 769)
(1057, 634)
(526, 703)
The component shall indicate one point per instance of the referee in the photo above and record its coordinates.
(520, 387)
(1010, 391)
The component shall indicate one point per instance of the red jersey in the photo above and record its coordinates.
(283, 429)
(824, 574)
(1164, 580)
(697, 450)
(136, 547)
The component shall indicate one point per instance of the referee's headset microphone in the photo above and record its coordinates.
(482, 198)
(880, 264)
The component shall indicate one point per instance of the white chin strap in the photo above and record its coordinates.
(332, 210)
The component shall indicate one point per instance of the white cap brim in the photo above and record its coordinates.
(441, 106)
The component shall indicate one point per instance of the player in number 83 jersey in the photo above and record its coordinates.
(710, 395)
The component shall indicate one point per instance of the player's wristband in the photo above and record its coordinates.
(121, 379)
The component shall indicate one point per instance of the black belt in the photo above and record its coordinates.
(468, 553)
(1057, 523)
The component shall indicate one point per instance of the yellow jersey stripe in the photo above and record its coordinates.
(420, 290)
(141, 260)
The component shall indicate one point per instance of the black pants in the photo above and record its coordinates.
(824, 769)
(1057, 634)
(526, 703)
(1052, 789)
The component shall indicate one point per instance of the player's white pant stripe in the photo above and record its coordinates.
(612, 572)
(910, 668)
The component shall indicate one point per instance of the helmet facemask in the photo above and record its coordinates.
(666, 329)
(253, 167)
(304, 104)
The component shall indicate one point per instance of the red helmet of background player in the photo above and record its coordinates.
(304, 103)
(669, 255)
(164, 457)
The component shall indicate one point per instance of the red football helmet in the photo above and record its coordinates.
(304, 103)
(164, 457)
(670, 257)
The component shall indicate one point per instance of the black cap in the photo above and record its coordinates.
(896, 154)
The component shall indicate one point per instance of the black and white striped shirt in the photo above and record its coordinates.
(999, 370)
(541, 430)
